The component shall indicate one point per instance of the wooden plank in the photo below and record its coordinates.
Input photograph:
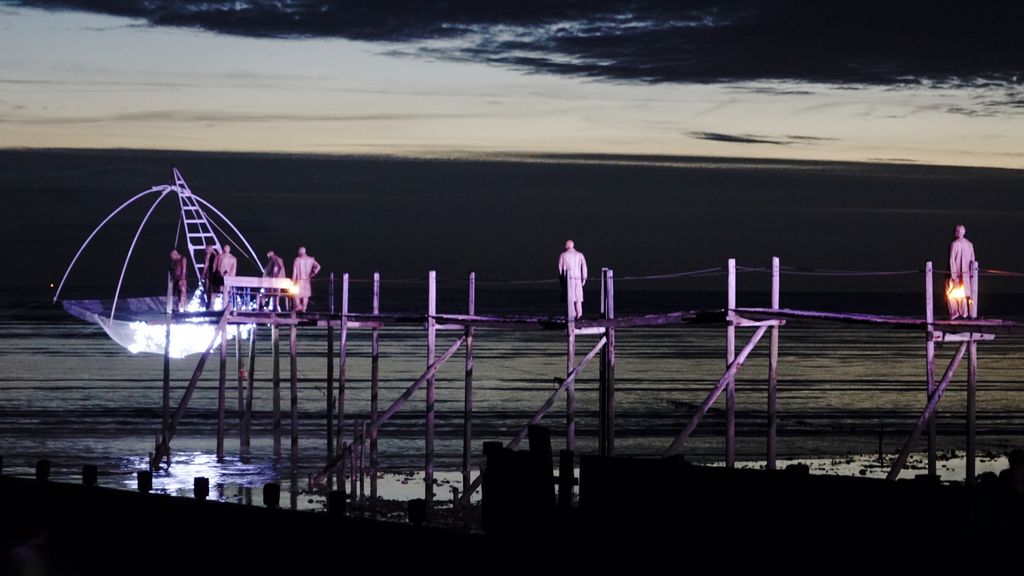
(342, 357)
(591, 331)
(933, 402)
(962, 337)
(972, 427)
(258, 282)
(678, 442)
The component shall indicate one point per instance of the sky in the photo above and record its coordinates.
(933, 82)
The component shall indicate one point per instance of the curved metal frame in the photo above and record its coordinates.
(256, 258)
(138, 232)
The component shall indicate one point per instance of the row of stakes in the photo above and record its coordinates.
(201, 488)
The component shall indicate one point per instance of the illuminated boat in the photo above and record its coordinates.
(140, 324)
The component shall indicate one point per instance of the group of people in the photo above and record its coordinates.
(222, 264)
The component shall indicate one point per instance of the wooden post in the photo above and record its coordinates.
(570, 390)
(972, 380)
(342, 356)
(330, 368)
(221, 392)
(602, 380)
(294, 374)
(773, 374)
(352, 463)
(606, 401)
(362, 459)
(167, 368)
(730, 355)
(240, 367)
(374, 382)
(428, 465)
(275, 339)
(247, 421)
(929, 352)
(467, 415)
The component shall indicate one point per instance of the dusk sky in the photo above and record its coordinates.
(921, 81)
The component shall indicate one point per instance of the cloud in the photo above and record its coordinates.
(869, 42)
(183, 116)
(756, 139)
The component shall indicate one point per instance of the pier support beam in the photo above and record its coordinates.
(221, 392)
(374, 386)
(606, 393)
(330, 370)
(342, 360)
(730, 383)
(773, 372)
(929, 353)
(467, 407)
(428, 464)
(275, 339)
(294, 377)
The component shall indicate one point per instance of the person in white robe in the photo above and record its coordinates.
(961, 255)
(572, 266)
(304, 268)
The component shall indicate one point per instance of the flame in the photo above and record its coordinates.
(956, 292)
(293, 289)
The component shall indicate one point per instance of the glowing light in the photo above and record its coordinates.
(955, 292)
(293, 289)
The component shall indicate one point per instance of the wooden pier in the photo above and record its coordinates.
(448, 332)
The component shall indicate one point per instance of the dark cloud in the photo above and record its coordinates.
(756, 139)
(868, 42)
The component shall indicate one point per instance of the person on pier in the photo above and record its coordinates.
(960, 295)
(227, 265)
(211, 275)
(304, 268)
(274, 269)
(572, 267)
(179, 278)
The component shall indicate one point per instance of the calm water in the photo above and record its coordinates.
(70, 394)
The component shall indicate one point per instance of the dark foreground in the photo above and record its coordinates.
(634, 516)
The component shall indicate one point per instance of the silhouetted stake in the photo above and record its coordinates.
(144, 479)
(467, 406)
(90, 475)
(730, 383)
(773, 371)
(428, 465)
(239, 373)
(606, 391)
(362, 459)
(166, 419)
(929, 351)
(272, 495)
(336, 502)
(42, 470)
(417, 511)
(293, 364)
(275, 337)
(566, 477)
(542, 490)
(570, 388)
(972, 390)
(374, 386)
(222, 392)
(201, 487)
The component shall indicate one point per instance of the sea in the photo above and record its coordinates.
(851, 238)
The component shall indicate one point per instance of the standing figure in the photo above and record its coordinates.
(960, 296)
(304, 268)
(211, 275)
(572, 266)
(274, 269)
(226, 265)
(179, 278)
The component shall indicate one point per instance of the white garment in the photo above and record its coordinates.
(961, 254)
(304, 268)
(573, 266)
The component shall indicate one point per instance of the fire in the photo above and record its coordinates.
(956, 292)
(293, 289)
